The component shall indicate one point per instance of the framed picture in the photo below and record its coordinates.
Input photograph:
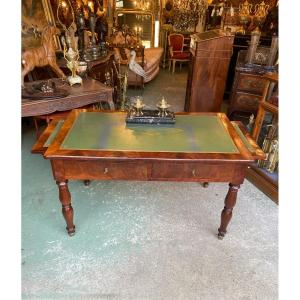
(36, 14)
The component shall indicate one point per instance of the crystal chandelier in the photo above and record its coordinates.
(144, 5)
(143, 17)
(187, 13)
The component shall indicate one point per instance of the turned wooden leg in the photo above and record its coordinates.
(174, 62)
(67, 209)
(226, 215)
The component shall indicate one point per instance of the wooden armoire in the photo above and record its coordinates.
(210, 56)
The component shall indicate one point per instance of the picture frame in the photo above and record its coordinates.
(35, 16)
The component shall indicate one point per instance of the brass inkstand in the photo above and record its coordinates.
(163, 108)
(138, 106)
(137, 115)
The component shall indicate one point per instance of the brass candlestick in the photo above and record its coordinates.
(163, 108)
(138, 105)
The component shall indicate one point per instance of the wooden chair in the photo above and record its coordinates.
(176, 53)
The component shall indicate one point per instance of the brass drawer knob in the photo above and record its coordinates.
(105, 170)
(194, 172)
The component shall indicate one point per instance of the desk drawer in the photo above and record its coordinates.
(246, 102)
(192, 171)
(89, 169)
(251, 84)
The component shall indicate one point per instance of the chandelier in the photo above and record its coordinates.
(142, 17)
(187, 13)
(145, 5)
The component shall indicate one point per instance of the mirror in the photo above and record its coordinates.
(139, 22)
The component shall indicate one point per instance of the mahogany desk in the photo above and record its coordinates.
(201, 147)
(91, 91)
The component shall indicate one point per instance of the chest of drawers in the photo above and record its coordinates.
(247, 88)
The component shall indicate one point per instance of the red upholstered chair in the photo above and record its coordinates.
(175, 43)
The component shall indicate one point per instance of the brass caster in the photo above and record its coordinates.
(71, 231)
(221, 235)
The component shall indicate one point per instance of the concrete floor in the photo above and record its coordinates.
(144, 240)
(172, 87)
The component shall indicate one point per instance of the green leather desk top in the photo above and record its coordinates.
(109, 131)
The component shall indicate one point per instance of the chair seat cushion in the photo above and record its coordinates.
(180, 55)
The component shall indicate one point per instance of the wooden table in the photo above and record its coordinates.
(201, 147)
(91, 91)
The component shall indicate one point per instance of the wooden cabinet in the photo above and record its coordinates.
(98, 68)
(210, 55)
(241, 43)
(248, 87)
